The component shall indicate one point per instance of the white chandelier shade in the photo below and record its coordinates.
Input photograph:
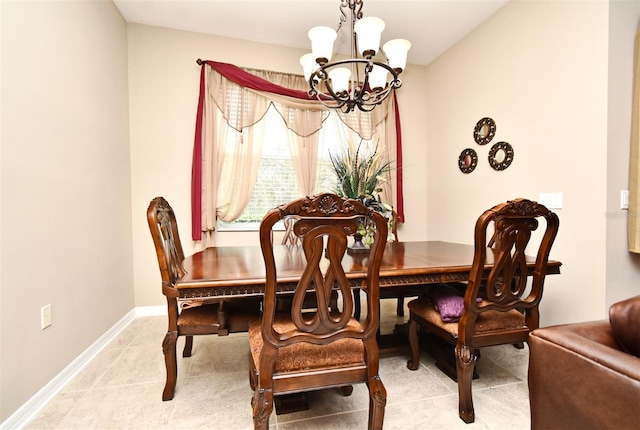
(369, 31)
(322, 39)
(378, 78)
(340, 79)
(396, 51)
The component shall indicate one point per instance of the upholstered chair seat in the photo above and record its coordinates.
(487, 322)
(304, 355)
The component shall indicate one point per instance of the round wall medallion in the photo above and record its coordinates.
(484, 131)
(468, 160)
(501, 155)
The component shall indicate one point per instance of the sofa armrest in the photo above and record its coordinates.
(580, 378)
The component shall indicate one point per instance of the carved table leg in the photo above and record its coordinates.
(223, 320)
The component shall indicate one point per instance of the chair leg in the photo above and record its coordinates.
(171, 364)
(414, 362)
(465, 362)
(262, 404)
(188, 346)
(377, 403)
(400, 307)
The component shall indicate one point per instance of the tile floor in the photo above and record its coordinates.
(121, 389)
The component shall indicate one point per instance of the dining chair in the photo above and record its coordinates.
(309, 349)
(188, 317)
(501, 301)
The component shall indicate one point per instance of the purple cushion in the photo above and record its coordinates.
(449, 305)
(448, 302)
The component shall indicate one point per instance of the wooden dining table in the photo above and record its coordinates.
(238, 271)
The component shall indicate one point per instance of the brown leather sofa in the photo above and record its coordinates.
(587, 375)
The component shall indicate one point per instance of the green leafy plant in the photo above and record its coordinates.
(360, 175)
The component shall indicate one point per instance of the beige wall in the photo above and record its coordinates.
(540, 70)
(623, 267)
(66, 212)
(164, 79)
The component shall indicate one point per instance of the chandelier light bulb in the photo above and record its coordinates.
(322, 39)
(396, 51)
(369, 31)
(340, 79)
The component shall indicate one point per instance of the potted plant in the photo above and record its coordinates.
(359, 176)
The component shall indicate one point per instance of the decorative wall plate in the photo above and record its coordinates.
(501, 155)
(468, 160)
(484, 131)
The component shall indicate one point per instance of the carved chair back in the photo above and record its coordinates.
(324, 224)
(509, 284)
(289, 237)
(164, 231)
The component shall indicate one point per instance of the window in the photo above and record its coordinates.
(277, 182)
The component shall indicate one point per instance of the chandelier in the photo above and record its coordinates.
(362, 81)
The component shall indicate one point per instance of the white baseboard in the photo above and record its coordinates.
(29, 410)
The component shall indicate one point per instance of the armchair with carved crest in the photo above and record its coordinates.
(501, 306)
(310, 349)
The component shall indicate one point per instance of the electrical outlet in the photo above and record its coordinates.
(45, 316)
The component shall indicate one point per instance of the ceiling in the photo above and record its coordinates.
(432, 26)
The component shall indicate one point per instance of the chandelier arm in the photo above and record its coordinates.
(359, 96)
(321, 72)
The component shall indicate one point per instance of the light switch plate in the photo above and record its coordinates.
(551, 200)
(624, 199)
(45, 316)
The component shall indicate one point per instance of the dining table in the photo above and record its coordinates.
(238, 271)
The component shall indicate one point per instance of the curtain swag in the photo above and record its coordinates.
(302, 115)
